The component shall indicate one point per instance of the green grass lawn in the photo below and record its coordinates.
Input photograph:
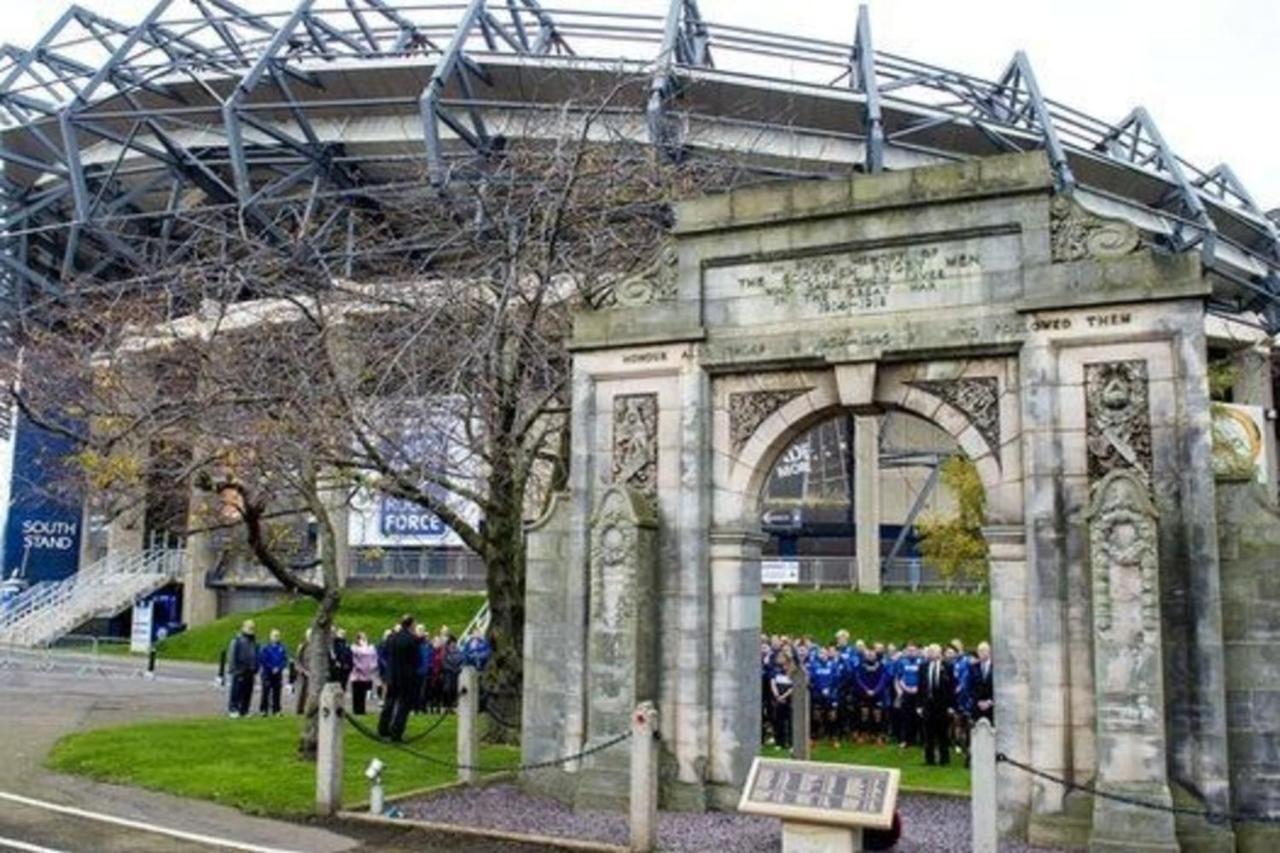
(916, 775)
(371, 612)
(251, 763)
(892, 617)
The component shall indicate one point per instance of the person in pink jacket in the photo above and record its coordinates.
(364, 669)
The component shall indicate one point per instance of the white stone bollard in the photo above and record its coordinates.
(644, 778)
(329, 751)
(982, 766)
(468, 725)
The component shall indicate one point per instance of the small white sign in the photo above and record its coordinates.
(140, 636)
(779, 572)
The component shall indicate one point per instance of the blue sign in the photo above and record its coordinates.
(399, 517)
(42, 533)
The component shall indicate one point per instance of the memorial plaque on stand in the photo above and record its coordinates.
(819, 793)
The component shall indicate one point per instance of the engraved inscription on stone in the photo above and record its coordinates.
(837, 284)
(817, 792)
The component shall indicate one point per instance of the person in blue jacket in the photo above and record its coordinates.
(908, 690)
(871, 684)
(273, 660)
(426, 654)
(824, 685)
(477, 651)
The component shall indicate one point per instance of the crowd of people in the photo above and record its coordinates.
(408, 670)
(878, 692)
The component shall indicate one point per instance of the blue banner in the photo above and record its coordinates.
(398, 517)
(42, 532)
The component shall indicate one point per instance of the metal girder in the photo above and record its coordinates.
(1018, 102)
(455, 65)
(862, 79)
(66, 116)
(686, 43)
(1137, 140)
(916, 507)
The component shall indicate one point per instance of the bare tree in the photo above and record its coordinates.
(436, 373)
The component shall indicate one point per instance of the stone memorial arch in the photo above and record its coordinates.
(1045, 334)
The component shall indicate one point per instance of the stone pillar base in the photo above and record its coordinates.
(811, 838)
(1118, 827)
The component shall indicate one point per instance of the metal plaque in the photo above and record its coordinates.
(815, 792)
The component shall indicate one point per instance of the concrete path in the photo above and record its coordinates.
(42, 698)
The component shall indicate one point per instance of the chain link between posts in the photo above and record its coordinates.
(403, 746)
(1217, 818)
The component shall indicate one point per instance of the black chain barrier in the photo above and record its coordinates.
(431, 728)
(1217, 818)
(403, 746)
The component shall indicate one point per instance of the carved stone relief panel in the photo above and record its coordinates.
(977, 398)
(1076, 234)
(1118, 418)
(635, 441)
(659, 282)
(749, 409)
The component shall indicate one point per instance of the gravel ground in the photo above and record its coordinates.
(934, 824)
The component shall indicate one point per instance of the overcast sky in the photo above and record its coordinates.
(1207, 70)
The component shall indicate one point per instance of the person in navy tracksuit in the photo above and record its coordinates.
(871, 685)
(273, 660)
(848, 656)
(908, 695)
(426, 657)
(824, 685)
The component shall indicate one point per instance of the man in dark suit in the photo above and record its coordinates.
(937, 704)
(983, 686)
(402, 668)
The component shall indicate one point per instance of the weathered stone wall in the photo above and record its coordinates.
(1249, 537)
(972, 296)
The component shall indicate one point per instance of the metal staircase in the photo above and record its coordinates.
(47, 611)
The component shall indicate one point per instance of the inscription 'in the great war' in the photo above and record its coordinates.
(838, 283)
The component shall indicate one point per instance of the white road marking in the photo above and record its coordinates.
(142, 826)
(15, 844)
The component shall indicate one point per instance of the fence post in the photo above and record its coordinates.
(329, 751)
(644, 778)
(982, 763)
(800, 710)
(468, 728)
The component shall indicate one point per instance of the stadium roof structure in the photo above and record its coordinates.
(123, 144)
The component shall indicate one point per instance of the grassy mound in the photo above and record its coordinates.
(371, 612)
(251, 763)
(892, 617)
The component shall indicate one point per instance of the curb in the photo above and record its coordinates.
(491, 779)
(476, 832)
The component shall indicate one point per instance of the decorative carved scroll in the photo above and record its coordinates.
(635, 441)
(749, 409)
(1118, 417)
(977, 398)
(659, 282)
(1075, 234)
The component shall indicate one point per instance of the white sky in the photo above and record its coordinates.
(1207, 70)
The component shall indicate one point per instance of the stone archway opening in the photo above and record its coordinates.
(810, 512)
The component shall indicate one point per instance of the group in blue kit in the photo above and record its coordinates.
(912, 696)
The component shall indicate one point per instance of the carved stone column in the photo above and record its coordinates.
(621, 637)
(866, 500)
(1128, 668)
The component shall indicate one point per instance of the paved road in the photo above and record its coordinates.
(42, 698)
(45, 696)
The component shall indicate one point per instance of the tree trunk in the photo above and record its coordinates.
(502, 679)
(318, 665)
